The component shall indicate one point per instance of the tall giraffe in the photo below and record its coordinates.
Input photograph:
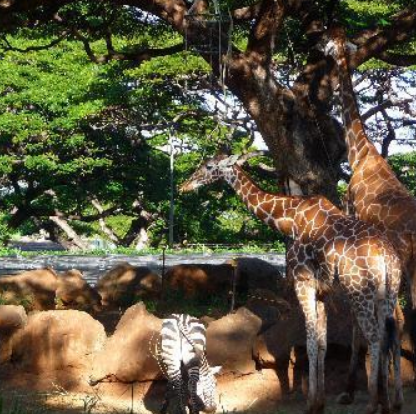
(374, 191)
(328, 246)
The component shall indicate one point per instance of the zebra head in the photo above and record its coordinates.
(205, 387)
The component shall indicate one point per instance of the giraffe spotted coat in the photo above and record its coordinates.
(328, 247)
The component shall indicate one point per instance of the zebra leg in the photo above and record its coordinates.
(165, 404)
(175, 397)
(168, 397)
(192, 389)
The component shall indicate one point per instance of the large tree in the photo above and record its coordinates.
(84, 149)
(272, 66)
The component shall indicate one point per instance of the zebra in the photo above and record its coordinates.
(182, 359)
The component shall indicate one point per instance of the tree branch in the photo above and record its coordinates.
(246, 13)
(373, 43)
(54, 42)
(391, 135)
(104, 227)
(138, 54)
(397, 59)
(310, 16)
(263, 34)
(388, 103)
(62, 223)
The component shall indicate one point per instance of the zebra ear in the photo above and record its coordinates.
(216, 370)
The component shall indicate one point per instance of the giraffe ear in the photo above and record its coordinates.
(233, 159)
(352, 48)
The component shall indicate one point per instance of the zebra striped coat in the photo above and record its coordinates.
(182, 356)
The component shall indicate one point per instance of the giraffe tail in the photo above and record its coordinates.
(390, 330)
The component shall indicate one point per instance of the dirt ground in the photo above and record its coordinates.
(256, 393)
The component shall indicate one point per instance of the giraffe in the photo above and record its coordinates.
(328, 246)
(374, 192)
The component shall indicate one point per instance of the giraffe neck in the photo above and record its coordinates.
(275, 210)
(357, 141)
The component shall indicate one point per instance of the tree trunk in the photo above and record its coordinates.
(306, 147)
(69, 231)
(142, 240)
(103, 225)
(306, 143)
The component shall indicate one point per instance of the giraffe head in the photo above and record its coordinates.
(334, 41)
(211, 171)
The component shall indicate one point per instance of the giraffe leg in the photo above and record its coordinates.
(306, 294)
(411, 271)
(322, 346)
(398, 385)
(374, 350)
(368, 323)
(386, 335)
(347, 397)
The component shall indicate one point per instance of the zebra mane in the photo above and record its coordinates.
(200, 353)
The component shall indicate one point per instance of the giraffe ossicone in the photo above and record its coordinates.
(328, 246)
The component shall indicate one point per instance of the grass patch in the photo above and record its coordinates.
(197, 249)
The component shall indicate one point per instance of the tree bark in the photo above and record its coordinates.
(103, 225)
(69, 231)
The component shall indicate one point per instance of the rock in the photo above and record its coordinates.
(58, 340)
(126, 284)
(200, 279)
(12, 318)
(34, 289)
(74, 292)
(276, 343)
(127, 355)
(273, 346)
(230, 341)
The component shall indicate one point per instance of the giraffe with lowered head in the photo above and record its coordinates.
(328, 246)
(374, 191)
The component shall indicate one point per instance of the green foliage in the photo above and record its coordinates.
(15, 299)
(198, 248)
(72, 131)
(404, 165)
(359, 14)
(215, 214)
(175, 301)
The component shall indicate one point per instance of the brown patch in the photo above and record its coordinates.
(261, 214)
